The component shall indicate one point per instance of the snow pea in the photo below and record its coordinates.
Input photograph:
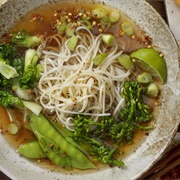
(82, 146)
(41, 125)
(64, 133)
(53, 152)
(31, 150)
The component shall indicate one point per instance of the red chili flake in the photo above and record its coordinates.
(64, 154)
(59, 148)
(37, 17)
(51, 145)
(64, 63)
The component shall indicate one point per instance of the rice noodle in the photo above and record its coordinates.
(71, 84)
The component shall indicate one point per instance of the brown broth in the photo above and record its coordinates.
(40, 21)
(23, 134)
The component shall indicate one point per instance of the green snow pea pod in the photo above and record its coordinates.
(53, 152)
(64, 133)
(82, 146)
(31, 150)
(41, 125)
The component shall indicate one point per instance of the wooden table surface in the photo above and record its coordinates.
(159, 5)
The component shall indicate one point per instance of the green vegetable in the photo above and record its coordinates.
(70, 30)
(127, 28)
(64, 132)
(82, 146)
(108, 39)
(7, 99)
(24, 94)
(61, 27)
(53, 152)
(135, 111)
(152, 90)
(31, 70)
(41, 125)
(8, 65)
(105, 23)
(12, 83)
(24, 39)
(99, 59)
(104, 154)
(114, 16)
(34, 107)
(86, 24)
(100, 149)
(6, 70)
(99, 13)
(12, 68)
(5, 83)
(123, 131)
(13, 128)
(18, 64)
(31, 150)
(126, 61)
(8, 52)
(31, 57)
(105, 135)
(144, 78)
(72, 42)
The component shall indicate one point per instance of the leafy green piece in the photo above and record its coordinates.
(18, 64)
(29, 77)
(8, 99)
(6, 70)
(7, 52)
(5, 83)
(31, 70)
(24, 39)
(9, 68)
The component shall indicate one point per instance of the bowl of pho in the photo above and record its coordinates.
(88, 89)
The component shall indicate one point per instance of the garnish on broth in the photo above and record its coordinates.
(83, 87)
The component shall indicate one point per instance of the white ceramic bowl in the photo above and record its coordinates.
(167, 114)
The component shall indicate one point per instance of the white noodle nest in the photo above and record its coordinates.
(71, 84)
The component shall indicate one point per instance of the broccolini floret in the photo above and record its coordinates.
(7, 99)
(135, 110)
(95, 133)
(107, 134)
